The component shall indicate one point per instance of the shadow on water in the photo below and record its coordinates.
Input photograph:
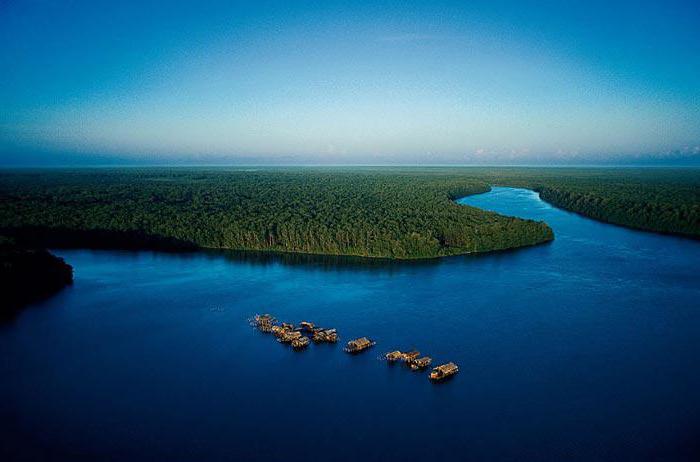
(314, 262)
(333, 263)
(342, 263)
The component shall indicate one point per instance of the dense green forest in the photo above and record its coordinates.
(376, 212)
(28, 275)
(366, 212)
(665, 200)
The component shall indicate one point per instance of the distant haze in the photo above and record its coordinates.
(410, 82)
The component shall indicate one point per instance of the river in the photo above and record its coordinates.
(585, 348)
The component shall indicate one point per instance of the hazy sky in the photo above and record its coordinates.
(348, 82)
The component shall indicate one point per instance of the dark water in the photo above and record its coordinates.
(583, 349)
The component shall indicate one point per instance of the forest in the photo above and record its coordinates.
(397, 213)
(372, 213)
(664, 200)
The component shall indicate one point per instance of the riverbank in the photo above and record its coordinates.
(29, 275)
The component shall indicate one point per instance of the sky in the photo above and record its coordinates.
(328, 82)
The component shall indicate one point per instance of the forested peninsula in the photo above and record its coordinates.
(396, 213)
(363, 212)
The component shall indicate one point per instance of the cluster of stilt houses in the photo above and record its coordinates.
(300, 336)
(296, 336)
(416, 362)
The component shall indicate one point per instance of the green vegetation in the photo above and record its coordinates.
(376, 212)
(663, 200)
(365, 212)
(28, 275)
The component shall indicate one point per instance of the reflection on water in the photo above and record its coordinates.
(321, 262)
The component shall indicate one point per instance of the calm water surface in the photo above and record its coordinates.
(583, 349)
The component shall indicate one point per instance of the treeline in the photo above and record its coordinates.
(364, 212)
(663, 200)
(28, 275)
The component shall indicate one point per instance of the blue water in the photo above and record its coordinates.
(583, 349)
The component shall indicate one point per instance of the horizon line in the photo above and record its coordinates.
(271, 166)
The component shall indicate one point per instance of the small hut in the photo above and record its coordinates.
(421, 363)
(263, 322)
(300, 343)
(289, 336)
(360, 344)
(325, 335)
(444, 371)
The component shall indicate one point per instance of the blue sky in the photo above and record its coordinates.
(347, 82)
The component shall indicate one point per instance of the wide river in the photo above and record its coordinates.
(586, 348)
